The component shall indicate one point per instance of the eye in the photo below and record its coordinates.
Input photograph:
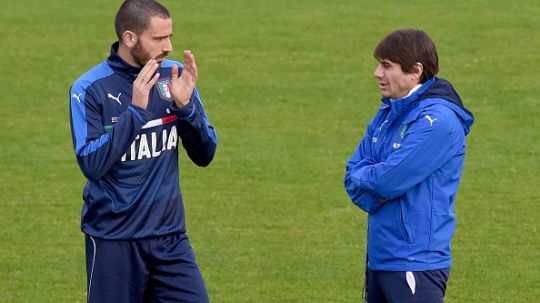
(384, 64)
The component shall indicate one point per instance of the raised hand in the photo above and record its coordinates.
(144, 83)
(182, 86)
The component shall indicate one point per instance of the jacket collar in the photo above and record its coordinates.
(120, 66)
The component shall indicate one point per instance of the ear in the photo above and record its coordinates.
(129, 38)
(418, 69)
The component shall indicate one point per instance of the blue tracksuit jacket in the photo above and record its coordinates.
(129, 155)
(405, 173)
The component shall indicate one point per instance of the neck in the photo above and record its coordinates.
(125, 54)
(415, 88)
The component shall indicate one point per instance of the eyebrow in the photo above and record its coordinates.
(164, 36)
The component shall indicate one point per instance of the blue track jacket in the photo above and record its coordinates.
(405, 173)
(129, 155)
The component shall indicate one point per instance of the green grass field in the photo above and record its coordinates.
(289, 87)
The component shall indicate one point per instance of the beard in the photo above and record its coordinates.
(141, 56)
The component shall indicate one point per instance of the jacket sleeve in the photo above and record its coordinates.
(361, 158)
(96, 149)
(432, 139)
(198, 136)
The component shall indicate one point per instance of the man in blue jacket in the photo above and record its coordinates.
(406, 171)
(128, 114)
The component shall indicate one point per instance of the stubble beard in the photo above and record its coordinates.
(140, 56)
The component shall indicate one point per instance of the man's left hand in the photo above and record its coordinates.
(182, 86)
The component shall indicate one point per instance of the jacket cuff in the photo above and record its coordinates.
(185, 112)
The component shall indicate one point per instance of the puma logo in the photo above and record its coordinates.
(430, 120)
(117, 99)
(78, 97)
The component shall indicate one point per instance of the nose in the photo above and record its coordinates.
(378, 73)
(167, 45)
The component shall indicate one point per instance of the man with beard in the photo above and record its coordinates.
(127, 115)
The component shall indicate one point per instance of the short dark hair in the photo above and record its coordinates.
(408, 46)
(135, 15)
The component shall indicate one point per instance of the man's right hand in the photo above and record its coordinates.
(144, 83)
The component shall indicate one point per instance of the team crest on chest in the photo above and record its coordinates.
(164, 88)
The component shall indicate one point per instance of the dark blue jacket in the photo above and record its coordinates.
(405, 173)
(130, 155)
